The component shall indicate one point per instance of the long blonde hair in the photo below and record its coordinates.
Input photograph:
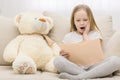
(93, 25)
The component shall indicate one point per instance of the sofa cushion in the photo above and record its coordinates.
(6, 73)
(107, 78)
(104, 22)
(113, 46)
(61, 26)
(8, 31)
(50, 76)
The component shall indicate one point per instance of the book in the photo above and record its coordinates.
(84, 53)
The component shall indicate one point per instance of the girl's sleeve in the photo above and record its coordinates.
(97, 35)
(66, 38)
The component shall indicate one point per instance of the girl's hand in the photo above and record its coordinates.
(65, 54)
(87, 29)
(85, 33)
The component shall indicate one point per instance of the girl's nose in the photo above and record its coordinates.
(81, 22)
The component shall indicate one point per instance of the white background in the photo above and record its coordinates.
(10, 8)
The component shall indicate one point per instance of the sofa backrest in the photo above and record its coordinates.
(104, 23)
(8, 31)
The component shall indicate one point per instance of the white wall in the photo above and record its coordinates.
(10, 8)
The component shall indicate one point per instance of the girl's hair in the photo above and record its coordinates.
(93, 25)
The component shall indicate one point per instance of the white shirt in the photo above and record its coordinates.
(74, 37)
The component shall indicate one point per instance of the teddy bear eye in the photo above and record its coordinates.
(35, 18)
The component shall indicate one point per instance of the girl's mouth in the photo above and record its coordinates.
(82, 27)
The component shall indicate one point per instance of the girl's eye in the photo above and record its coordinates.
(77, 20)
(85, 20)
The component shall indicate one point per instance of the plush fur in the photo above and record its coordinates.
(32, 49)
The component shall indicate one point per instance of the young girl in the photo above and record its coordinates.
(83, 27)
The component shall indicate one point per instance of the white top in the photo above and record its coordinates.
(74, 37)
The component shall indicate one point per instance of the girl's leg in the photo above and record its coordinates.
(64, 65)
(103, 69)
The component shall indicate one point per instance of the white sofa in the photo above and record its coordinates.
(8, 31)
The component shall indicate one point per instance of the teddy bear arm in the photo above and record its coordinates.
(11, 50)
(50, 66)
(56, 49)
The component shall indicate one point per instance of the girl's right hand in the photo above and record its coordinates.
(65, 54)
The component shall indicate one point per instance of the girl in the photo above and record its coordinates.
(83, 27)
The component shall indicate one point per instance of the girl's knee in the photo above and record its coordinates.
(60, 63)
(59, 60)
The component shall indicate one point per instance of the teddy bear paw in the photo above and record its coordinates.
(24, 65)
(25, 68)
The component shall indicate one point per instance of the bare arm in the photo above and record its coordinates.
(85, 33)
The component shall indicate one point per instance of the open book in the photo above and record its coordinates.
(84, 53)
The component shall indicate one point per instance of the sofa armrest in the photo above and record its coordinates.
(113, 46)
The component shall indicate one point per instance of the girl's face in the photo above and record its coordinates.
(81, 21)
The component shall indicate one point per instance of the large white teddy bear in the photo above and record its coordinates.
(32, 49)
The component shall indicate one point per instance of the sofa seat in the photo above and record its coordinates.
(107, 78)
(8, 74)
(52, 76)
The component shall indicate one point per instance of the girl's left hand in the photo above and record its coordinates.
(85, 33)
(87, 29)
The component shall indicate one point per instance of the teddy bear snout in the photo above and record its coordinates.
(42, 20)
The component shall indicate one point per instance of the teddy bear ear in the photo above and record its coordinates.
(17, 19)
(50, 21)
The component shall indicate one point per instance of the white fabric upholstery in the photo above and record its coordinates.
(113, 46)
(61, 26)
(7, 32)
(105, 25)
(6, 73)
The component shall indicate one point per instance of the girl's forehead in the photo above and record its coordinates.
(81, 13)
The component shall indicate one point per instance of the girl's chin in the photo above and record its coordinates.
(80, 32)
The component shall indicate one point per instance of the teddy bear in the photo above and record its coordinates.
(32, 49)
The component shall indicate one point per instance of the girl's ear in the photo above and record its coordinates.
(17, 19)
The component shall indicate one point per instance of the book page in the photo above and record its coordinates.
(84, 53)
